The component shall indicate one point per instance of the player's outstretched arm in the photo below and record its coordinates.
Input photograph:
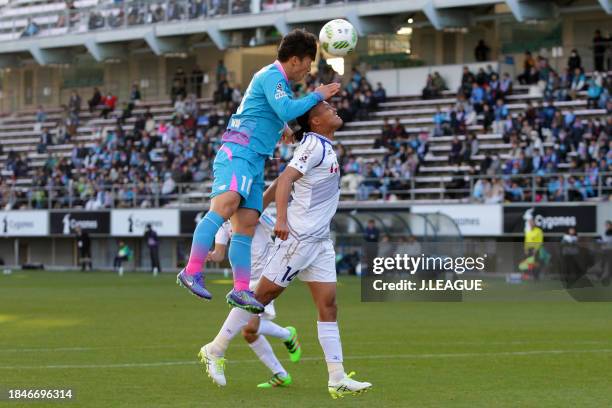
(283, 189)
(287, 108)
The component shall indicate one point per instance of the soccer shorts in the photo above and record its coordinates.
(310, 261)
(237, 168)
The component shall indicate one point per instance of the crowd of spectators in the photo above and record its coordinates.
(545, 138)
(146, 159)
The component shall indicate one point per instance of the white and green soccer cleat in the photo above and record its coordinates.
(277, 380)
(293, 345)
(215, 366)
(347, 386)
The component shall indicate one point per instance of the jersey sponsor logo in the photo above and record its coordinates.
(304, 158)
(280, 92)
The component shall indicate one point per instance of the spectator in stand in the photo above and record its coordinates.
(31, 28)
(221, 71)
(180, 76)
(526, 78)
(544, 70)
(594, 90)
(482, 77)
(95, 100)
(398, 131)
(434, 86)
(454, 156)
(41, 115)
(574, 62)
(515, 193)
(380, 95)
(440, 120)
(439, 83)
(429, 91)
(178, 89)
(369, 184)
(496, 193)
(500, 114)
(477, 97)
(345, 111)
(467, 79)
(109, 102)
(74, 104)
(505, 85)
(488, 117)
(482, 189)
(578, 83)
(43, 141)
(481, 52)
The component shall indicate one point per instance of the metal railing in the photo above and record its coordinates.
(497, 188)
(559, 187)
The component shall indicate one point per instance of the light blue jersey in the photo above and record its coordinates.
(267, 105)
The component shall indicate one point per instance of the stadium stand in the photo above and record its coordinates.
(485, 142)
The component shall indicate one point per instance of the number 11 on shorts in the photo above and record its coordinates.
(244, 183)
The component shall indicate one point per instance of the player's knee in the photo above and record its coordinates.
(249, 331)
(249, 335)
(328, 310)
(226, 204)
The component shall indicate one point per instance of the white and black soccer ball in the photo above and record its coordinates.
(338, 37)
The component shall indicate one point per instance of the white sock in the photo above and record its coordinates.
(268, 328)
(236, 320)
(329, 337)
(262, 348)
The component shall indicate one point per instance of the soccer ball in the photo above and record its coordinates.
(338, 37)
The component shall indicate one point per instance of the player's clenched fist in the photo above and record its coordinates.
(329, 90)
(281, 229)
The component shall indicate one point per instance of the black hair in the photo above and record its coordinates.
(304, 125)
(298, 43)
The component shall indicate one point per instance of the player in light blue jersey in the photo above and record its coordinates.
(238, 170)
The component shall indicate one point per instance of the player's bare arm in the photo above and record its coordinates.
(283, 190)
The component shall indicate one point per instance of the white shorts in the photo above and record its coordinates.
(310, 261)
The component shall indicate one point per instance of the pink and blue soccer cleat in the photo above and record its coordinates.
(193, 283)
(244, 299)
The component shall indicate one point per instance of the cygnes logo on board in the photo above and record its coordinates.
(133, 222)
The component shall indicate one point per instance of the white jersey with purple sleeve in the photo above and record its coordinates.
(316, 194)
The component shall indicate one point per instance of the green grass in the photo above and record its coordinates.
(472, 354)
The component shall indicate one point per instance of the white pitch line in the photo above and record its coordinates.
(364, 357)
(175, 346)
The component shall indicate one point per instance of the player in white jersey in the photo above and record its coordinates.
(211, 354)
(303, 247)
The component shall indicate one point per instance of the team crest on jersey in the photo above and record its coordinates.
(280, 92)
(304, 158)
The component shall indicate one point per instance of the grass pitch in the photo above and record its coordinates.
(132, 342)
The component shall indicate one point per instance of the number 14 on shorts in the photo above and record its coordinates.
(288, 276)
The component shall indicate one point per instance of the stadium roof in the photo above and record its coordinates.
(56, 47)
